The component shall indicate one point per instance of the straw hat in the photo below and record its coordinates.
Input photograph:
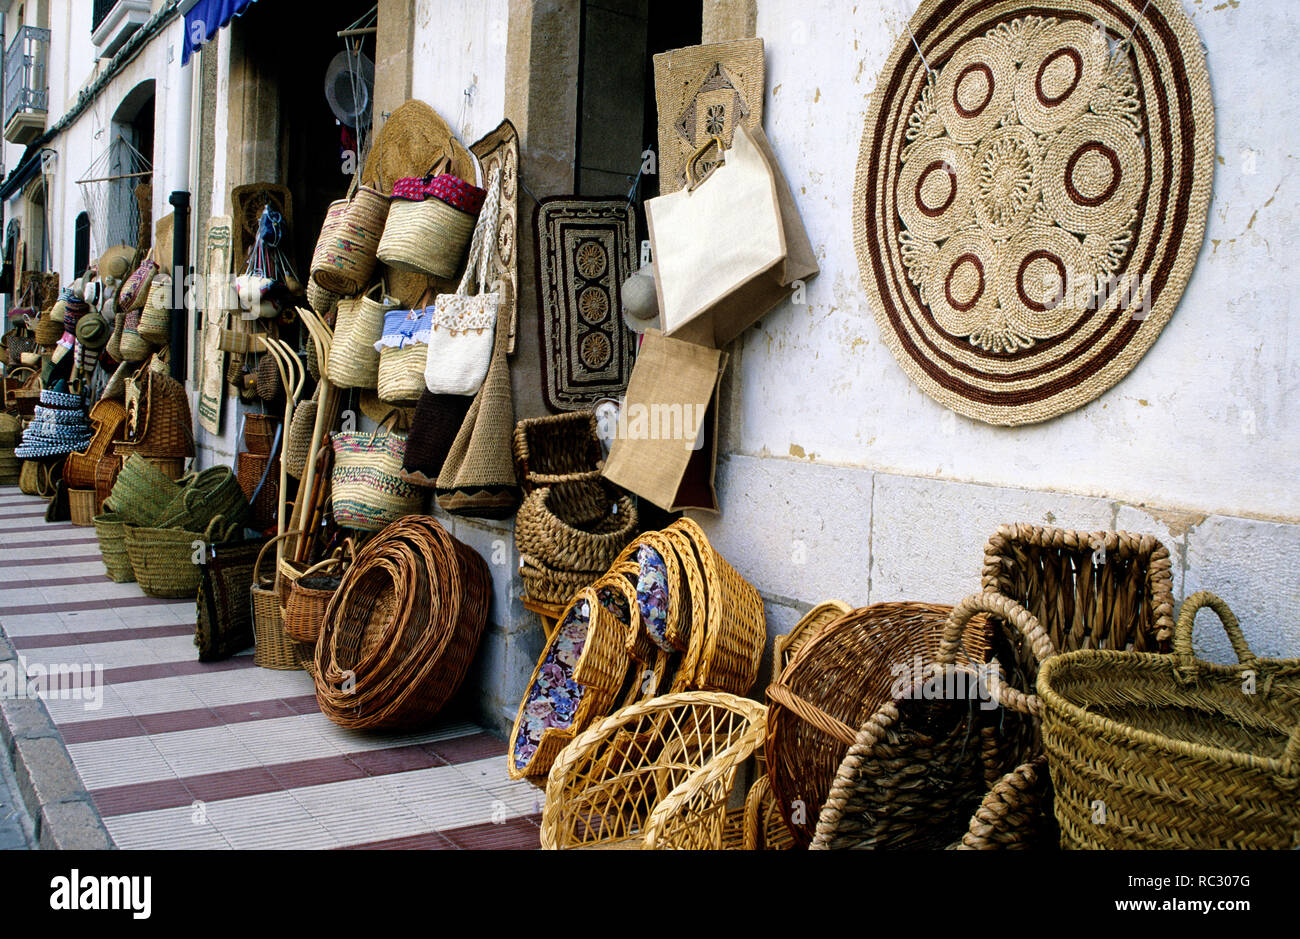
(640, 301)
(116, 262)
(411, 142)
(93, 331)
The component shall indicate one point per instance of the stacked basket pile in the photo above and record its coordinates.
(155, 529)
(572, 524)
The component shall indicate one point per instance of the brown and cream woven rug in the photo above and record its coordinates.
(1031, 196)
(585, 250)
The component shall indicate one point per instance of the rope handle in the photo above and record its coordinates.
(1012, 612)
(385, 426)
(692, 180)
(484, 238)
(1187, 663)
(257, 565)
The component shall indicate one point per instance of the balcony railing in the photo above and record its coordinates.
(26, 89)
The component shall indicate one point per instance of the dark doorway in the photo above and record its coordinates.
(81, 245)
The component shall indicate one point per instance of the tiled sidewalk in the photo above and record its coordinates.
(180, 754)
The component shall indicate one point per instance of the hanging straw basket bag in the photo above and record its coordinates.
(345, 254)
(135, 289)
(353, 359)
(403, 355)
(110, 531)
(322, 301)
(430, 224)
(272, 647)
(401, 630)
(155, 326)
(48, 328)
(366, 484)
(298, 447)
(141, 492)
(163, 559)
(1180, 753)
(558, 448)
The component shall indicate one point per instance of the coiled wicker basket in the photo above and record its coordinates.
(575, 526)
(108, 417)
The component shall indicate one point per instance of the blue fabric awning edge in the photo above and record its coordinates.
(205, 18)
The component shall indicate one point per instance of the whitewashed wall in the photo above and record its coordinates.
(832, 455)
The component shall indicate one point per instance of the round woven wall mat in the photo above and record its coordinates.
(1028, 210)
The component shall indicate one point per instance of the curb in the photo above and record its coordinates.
(62, 811)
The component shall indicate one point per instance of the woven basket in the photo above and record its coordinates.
(114, 347)
(259, 432)
(48, 328)
(353, 360)
(135, 289)
(110, 531)
(345, 254)
(133, 346)
(571, 526)
(155, 326)
(309, 595)
(213, 493)
(224, 615)
(267, 380)
(550, 585)
(81, 506)
(272, 646)
(163, 558)
(9, 468)
(837, 679)
(141, 492)
(657, 774)
(400, 378)
(29, 477)
(106, 471)
(251, 468)
(325, 242)
(401, 630)
(1167, 752)
(577, 679)
(164, 425)
(108, 417)
(298, 447)
(322, 301)
(366, 486)
(427, 237)
(558, 448)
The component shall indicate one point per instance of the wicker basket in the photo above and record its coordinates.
(558, 448)
(106, 471)
(259, 432)
(164, 425)
(427, 237)
(571, 526)
(272, 646)
(587, 648)
(401, 630)
(309, 595)
(133, 346)
(549, 585)
(163, 558)
(400, 376)
(321, 300)
(81, 507)
(141, 492)
(353, 359)
(251, 469)
(657, 774)
(840, 677)
(365, 485)
(109, 420)
(110, 531)
(1167, 752)
(345, 254)
(301, 428)
(9, 467)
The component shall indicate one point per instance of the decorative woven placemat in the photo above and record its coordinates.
(1028, 210)
(701, 92)
(500, 148)
(585, 250)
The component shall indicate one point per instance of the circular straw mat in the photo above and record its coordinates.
(1028, 209)
(411, 142)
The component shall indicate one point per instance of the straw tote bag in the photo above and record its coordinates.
(403, 352)
(354, 361)
(461, 325)
(366, 484)
(345, 253)
(430, 223)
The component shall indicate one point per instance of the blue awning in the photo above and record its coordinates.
(204, 18)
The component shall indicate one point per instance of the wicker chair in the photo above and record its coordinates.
(655, 775)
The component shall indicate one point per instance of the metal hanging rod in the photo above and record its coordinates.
(109, 179)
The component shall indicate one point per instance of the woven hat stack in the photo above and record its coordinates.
(58, 427)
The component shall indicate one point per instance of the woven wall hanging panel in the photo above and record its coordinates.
(701, 92)
(212, 361)
(1028, 211)
(501, 149)
(585, 250)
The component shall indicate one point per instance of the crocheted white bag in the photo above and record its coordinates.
(462, 324)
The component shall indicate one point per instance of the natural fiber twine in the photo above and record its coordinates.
(1028, 213)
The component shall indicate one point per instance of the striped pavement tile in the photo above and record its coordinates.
(188, 755)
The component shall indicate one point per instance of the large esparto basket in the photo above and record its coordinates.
(141, 492)
(545, 584)
(163, 559)
(575, 526)
(211, 493)
(272, 646)
(345, 255)
(112, 545)
(1171, 752)
(839, 677)
(401, 372)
